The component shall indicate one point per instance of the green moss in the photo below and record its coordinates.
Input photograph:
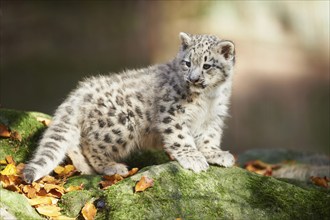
(71, 203)
(218, 193)
(88, 181)
(26, 124)
(17, 205)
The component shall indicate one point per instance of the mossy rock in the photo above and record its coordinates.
(219, 193)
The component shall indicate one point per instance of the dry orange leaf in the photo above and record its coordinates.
(319, 181)
(49, 210)
(10, 159)
(10, 169)
(132, 172)
(89, 211)
(143, 184)
(4, 131)
(260, 167)
(20, 167)
(44, 121)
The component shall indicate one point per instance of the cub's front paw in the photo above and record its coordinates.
(194, 161)
(222, 158)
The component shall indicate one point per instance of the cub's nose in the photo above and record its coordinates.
(193, 79)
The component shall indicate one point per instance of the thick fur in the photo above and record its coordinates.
(181, 105)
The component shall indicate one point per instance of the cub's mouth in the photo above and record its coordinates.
(197, 84)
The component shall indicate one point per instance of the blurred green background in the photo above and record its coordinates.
(281, 88)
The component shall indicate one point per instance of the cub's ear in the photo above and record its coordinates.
(185, 40)
(227, 49)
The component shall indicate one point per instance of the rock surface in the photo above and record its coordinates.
(219, 193)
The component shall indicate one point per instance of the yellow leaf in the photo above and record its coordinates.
(10, 169)
(143, 184)
(44, 121)
(3, 162)
(49, 210)
(49, 187)
(62, 217)
(73, 188)
(41, 200)
(89, 211)
(59, 170)
(68, 169)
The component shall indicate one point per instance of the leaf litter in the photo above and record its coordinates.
(45, 193)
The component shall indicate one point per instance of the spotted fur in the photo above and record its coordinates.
(180, 105)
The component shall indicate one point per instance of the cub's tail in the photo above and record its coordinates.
(63, 132)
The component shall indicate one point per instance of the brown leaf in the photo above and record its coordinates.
(110, 180)
(16, 136)
(143, 184)
(319, 181)
(89, 211)
(4, 131)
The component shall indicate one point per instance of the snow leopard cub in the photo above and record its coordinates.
(181, 105)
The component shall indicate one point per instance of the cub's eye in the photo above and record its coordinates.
(188, 64)
(206, 66)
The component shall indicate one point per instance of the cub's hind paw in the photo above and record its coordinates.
(116, 168)
(29, 175)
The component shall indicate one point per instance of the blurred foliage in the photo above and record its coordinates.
(281, 88)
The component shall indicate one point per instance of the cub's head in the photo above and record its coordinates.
(205, 61)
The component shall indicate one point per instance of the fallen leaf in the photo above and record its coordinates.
(89, 211)
(19, 168)
(4, 131)
(260, 167)
(319, 181)
(59, 169)
(49, 210)
(16, 136)
(10, 160)
(143, 184)
(10, 169)
(44, 121)
(40, 200)
(74, 188)
(110, 180)
(62, 217)
(132, 172)
(48, 187)
(29, 191)
(3, 162)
